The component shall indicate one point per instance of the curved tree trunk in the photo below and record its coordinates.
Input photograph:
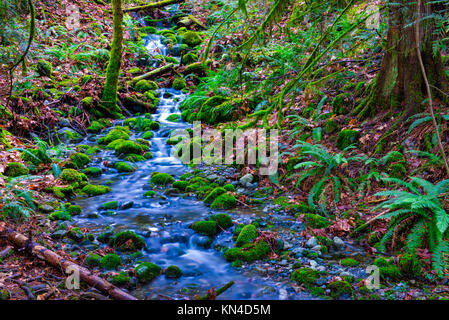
(109, 100)
(400, 86)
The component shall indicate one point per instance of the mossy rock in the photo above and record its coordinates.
(224, 202)
(214, 194)
(134, 158)
(111, 261)
(92, 260)
(340, 288)
(75, 234)
(95, 127)
(347, 138)
(180, 185)
(173, 272)
(44, 68)
(342, 103)
(207, 228)
(74, 210)
(229, 187)
(124, 167)
(60, 215)
(196, 68)
(145, 85)
(260, 250)
(387, 270)
(120, 279)
(330, 126)
(148, 135)
(128, 147)
(223, 220)
(161, 179)
(72, 175)
(128, 241)
(409, 265)
(147, 271)
(397, 170)
(191, 38)
(189, 58)
(92, 172)
(16, 169)
(149, 193)
(179, 84)
(95, 190)
(173, 118)
(114, 134)
(349, 262)
(246, 236)
(316, 221)
(110, 205)
(78, 160)
(305, 276)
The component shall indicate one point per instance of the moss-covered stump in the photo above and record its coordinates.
(147, 271)
(16, 169)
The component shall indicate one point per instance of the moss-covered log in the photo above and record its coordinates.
(154, 5)
(400, 84)
(109, 100)
(154, 73)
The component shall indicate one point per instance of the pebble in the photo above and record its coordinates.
(338, 243)
(247, 178)
(311, 243)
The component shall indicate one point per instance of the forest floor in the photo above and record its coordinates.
(63, 103)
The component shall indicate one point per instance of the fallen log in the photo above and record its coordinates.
(154, 72)
(56, 260)
(219, 291)
(154, 5)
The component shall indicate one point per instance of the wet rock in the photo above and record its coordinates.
(338, 244)
(68, 135)
(313, 264)
(59, 234)
(172, 192)
(92, 215)
(247, 178)
(46, 208)
(312, 242)
(127, 205)
(212, 177)
(316, 248)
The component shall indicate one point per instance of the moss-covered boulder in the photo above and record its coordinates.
(179, 84)
(339, 288)
(349, 262)
(145, 85)
(92, 260)
(120, 279)
(60, 215)
(161, 179)
(111, 261)
(207, 228)
(347, 137)
(124, 167)
(95, 127)
(180, 185)
(148, 135)
(74, 210)
(316, 221)
(214, 194)
(72, 175)
(16, 169)
(305, 276)
(78, 160)
(44, 68)
(110, 205)
(223, 220)
(330, 126)
(224, 202)
(191, 38)
(115, 134)
(246, 236)
(95, 190)
(196, 68)
(173, 272)
(147, 271)
(189, 58)
(229, 187)
(342, 103)
(128, 241)
(387, 269)
(128, 147)
(92, 172)
(259, 251)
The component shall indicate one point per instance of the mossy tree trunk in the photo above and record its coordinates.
(109, 100)
(400, 86)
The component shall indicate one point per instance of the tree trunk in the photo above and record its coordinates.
(109, 100)
(400, 86)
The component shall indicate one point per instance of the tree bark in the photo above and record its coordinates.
(400, 86)
(109, 100)
(56, 260)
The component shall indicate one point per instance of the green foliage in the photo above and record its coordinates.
(419, 207)
(17, 200)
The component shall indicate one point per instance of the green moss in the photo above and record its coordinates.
(181, 185)
(197, 68)
(78, 160)
(173, 117)
(305, 276)
(347, 137)
(71, 175)
(128, 147)
(409, 265)
(16, 169)
(74, 210)
(339, 288)
(124, 167)
(397, 170)
(330, 126)
(260, 250)
(191, 38)
(148, 135)
(111, 205)
(134, 158)
(315, 221)
(342, 104)
(161, 179)
(214, 194)
(75, 234)
(224, 201)
(95, 190)
(60, 215)
(92, 260)
(145, 85)
(223, 220)
(149, 193)
(179, 84)
(87, 102)
(147, 271)
(207, 228)
(120, 279)
(128, 241)
(115, 134)
(35, 156)
(317, 291)
(92, 172)
(387, 270)
(44, 68)
(111, 261)
(95, 127)
(349, 262)
(246, 236)
(229, 187)
(173, 272)
(189, 58)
